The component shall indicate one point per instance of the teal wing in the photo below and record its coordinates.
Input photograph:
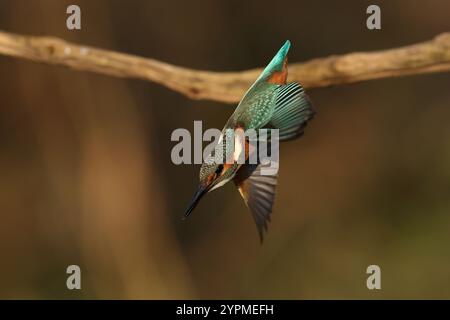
(292, 111)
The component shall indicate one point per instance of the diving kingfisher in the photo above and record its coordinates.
(269, 103)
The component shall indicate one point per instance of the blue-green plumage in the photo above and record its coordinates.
(276, 64)
(269, 103)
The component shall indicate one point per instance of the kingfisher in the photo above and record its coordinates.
(270, 103)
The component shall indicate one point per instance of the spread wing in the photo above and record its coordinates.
(258, 191)
(293, 110)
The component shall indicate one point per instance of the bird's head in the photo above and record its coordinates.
(212, 176)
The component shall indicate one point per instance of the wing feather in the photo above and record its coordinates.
(258, 192)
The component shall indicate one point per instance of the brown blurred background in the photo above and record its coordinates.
(86, 176)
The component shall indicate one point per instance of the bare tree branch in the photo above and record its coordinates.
(426, 57)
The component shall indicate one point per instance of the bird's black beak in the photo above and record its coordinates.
(202, 189)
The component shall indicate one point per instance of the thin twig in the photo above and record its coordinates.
(426, 57)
